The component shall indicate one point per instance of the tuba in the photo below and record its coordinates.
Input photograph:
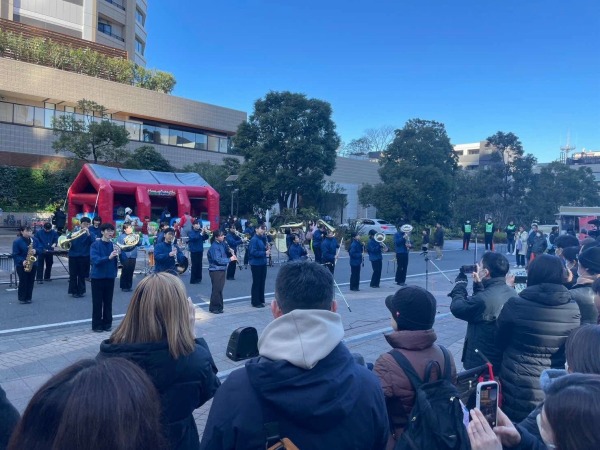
(64, 242)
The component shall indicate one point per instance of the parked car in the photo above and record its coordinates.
(379, 225)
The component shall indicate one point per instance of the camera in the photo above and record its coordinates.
(468, 268)
(520, 279)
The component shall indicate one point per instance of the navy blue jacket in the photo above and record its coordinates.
(217, 256)
(19, 250)
(257, 251)
(184, 384)
(317, 238)
(44, 240)
(233, 241)
(95, 232)
(102, 267)
(374, 250)
(336, 405)
(164, 262)
(296, 252)
(249, 230)
(400, 243)
(329, 248)
(81, 246)
(356, 253)
(196, 241)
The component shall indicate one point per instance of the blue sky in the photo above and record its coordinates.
(530, 67)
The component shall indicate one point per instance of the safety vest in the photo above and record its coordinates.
(489, 227)
(511, 227)
(467, 227)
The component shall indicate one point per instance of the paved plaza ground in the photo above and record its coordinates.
(29, 357)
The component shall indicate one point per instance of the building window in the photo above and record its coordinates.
(139, 46)
(106, 28)
(458, 152)
(474, 152)
(139, 17)
(117, 4)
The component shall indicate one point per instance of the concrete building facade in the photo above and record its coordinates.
(115, 23)
(474, 156)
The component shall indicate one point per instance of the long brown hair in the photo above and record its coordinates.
(158, 311)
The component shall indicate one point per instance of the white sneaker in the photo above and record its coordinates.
(508, 253)
(516, 266)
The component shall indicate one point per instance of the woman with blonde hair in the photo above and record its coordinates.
(157, 334)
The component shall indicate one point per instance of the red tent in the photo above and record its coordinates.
(144, 191)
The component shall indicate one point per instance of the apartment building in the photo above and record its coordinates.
(473, 156)
(115, 23)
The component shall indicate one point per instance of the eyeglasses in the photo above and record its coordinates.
(538, 420)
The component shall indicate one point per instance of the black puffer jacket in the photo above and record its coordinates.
(481, 312)
(184, 384)
(584, 296)
(532, 330)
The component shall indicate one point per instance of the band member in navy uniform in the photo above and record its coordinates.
(317, 240)
(232, 240)
(79, 260)
(167, 254)
(374, 249)
(329, 248)
(218, 260)
(45, 241)
(196, 238)
(126, 281)
(355, 252)
(296, 251)
(259, 252)
(403, 246)
(103, 255)
(20, 249)
(249, 231)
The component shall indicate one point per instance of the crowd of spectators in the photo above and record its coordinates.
(306, 388)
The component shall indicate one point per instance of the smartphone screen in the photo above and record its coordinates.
(487, 400)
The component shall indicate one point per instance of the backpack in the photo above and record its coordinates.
(436, 420)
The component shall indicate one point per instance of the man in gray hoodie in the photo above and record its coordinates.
(305, 385)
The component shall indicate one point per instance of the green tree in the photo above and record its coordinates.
(417, 172)
(507, 150)
(147, 157)
(89, 136)
(289, 144)
(560, 185)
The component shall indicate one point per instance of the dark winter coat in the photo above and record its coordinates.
(584, 296)
(374, 250)
(481, 312)
(329, 248)
(419, 348)
(532, 330)
(296, 252)
(257, 251)
(438, 237)
(539, 243)
(184, 384)
(338, 404)
(9, 417)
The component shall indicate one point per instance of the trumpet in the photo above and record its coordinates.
(206, 230)
(380, 237)
(242, 236)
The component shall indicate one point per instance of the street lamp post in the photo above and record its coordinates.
(230, 180)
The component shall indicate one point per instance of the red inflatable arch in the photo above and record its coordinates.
(146, 192)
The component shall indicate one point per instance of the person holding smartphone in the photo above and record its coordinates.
(481, 310)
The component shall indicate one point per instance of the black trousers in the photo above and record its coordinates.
(26, 281)
(102, 297)
(259, 276)
(231, 270)
(44, 259)
(79, 268)
(401, 267)
(354, 277)
(196, 270)
(318, 258)
(466, 241)
(510, 247)
(217, 278)
(376, 272)
(127, 273)
(489, 241)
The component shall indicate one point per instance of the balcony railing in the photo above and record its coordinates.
(117, 4)
(35, 116)
(107, 29)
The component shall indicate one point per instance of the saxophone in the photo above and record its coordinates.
(30, 259)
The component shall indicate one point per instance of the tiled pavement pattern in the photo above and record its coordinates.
(28, 359)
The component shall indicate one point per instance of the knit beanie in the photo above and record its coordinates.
(413, 308)
(590, 259)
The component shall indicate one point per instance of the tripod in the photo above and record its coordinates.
(427, 260)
